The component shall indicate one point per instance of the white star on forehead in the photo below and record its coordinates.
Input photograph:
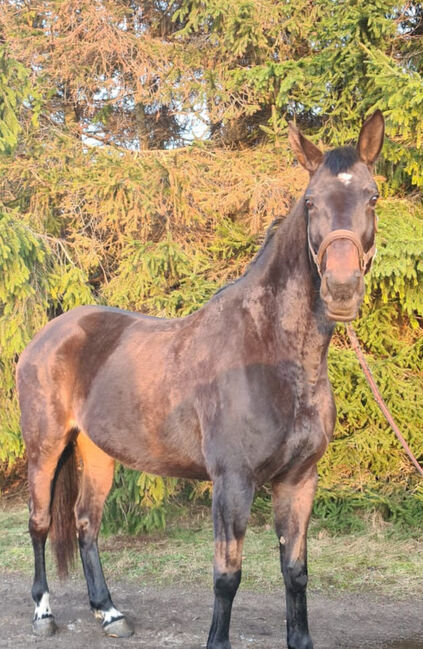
(345, 178)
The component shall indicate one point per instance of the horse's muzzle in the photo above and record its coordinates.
(342, 296)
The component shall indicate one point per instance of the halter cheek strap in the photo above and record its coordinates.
(364, 257)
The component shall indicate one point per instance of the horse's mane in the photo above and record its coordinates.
(276, 225)
(268, 237)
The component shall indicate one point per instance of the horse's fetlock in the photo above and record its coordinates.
(37, 592)
(101, 605)
(297, 640)
(42, 606)
(220, 645)
(107, 614)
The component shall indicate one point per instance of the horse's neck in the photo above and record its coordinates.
(294, 308)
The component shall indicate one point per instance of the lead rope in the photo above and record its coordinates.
(377, 395)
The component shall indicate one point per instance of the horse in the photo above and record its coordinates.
(236, 393)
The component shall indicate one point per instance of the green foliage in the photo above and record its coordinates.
(239, 69)
(403, 106)
(22, 309)
(341, 510)
(138, 502)
(160, 278)
(398, 269)
(14, 90)
(233, 240)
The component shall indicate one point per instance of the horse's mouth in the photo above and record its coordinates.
(341, 311)
(342, 316)
(342, 299)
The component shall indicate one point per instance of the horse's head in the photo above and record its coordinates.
(341, 222)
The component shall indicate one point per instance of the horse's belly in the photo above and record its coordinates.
(172, 447)
(159, 439)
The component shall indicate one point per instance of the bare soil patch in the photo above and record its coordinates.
(179, 618)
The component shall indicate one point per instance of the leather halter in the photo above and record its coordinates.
(364, 257)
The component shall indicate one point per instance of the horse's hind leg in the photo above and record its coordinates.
(97, 477)
(41, 471)
(292, 505)
(232, 498)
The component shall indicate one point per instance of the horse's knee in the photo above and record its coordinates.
(295, 575)
(226, 584)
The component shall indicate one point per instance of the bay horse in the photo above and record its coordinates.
(236, 393)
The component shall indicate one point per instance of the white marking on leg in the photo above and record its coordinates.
(107, 616)
(42, 609)
(345, 178)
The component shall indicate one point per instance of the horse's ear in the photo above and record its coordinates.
(307, 153)
(370, 139)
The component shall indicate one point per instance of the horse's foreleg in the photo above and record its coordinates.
(97, 478)
(232, 497)
(292, 505)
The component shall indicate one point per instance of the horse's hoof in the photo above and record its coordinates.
(118, 628)
(45, 626)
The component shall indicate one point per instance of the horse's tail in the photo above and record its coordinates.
(62, 509)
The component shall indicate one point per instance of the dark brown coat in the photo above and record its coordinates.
(237, 392)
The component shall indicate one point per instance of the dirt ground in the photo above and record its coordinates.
(179, 618)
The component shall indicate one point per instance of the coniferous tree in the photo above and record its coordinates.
(143, 153)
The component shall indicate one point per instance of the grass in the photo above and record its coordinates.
(380, 559)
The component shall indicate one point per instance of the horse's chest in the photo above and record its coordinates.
(299, 442)
(268, 421)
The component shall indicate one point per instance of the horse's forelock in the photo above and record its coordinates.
(341, 159)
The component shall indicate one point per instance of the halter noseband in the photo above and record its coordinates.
(364, 257)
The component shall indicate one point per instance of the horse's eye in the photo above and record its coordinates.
(308, 203)
(373, 200)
